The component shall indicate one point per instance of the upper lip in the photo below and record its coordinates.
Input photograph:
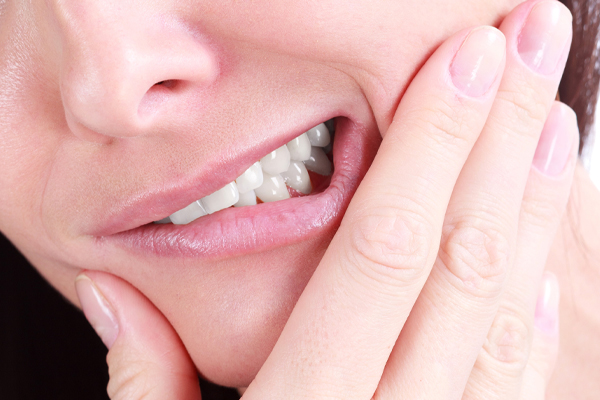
(160, 202)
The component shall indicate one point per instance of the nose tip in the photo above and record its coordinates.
(120, 82)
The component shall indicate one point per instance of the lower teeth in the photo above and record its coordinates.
(268, 179)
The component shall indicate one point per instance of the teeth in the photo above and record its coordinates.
(318, 162)
(272, 189)
(251, 179)
(188, 214)
(276, 162)
(319, 136)
(267, 178)
(297, 177)
(299, 148)
(222, 198)
(246, 199)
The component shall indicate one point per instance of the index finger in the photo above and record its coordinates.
(341, 332)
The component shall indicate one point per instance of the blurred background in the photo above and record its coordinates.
(591, 155)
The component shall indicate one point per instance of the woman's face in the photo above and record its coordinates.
(117, 113)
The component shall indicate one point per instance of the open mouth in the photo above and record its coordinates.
(280, 175)
(249, 216)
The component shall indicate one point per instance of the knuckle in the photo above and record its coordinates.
(390, 246)
(476, 258)
(541, 212)
(526, 105)
(444, 123)
(507, 346)
(129, 379)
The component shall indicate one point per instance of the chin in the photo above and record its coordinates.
(232, 339)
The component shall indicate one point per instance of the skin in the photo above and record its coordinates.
(65, 167)
(574, 260)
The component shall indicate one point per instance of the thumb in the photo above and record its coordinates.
(146, 358)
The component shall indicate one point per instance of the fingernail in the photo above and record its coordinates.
(477, 62)
(97, 310)
(545, 36)
(546, 310)
(555, 142)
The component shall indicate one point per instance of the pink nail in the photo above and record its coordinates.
(545, 37)
(97, 310)
(546, 310)
(477, 62)
(555, 142)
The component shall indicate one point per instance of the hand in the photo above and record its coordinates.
(429, 287)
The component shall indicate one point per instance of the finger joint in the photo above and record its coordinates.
(507, 346)
(391, 246)
(476, 258)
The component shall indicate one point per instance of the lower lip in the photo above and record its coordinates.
(245, 230)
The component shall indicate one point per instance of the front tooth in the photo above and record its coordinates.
(221, 199)
(188, 214)
(299, 148)
(272, 189)
(297, 177)
(319, 136)
(246, 199)
(276, 162)
(318, 162)
(166, 220)
(250, 179)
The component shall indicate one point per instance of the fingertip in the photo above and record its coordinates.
(479, 60)
(572, 122)
(97, 309)
(546, 310)
(544, 347)
(557, 145)
(146, 357)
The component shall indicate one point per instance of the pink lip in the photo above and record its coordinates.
(236, 231)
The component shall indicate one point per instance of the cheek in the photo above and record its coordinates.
(381, 45)
(31, 125)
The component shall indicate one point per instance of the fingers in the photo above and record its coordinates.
(499, 368)
(146, 358)
(454, 312)
(348, 318)
(544, 348)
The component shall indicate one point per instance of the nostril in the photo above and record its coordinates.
(157, 95)
(169, 84)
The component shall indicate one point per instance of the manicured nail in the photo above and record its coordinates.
(546, 310)
(477, 62)
(554, 146)
(545, 37)
(97, 310)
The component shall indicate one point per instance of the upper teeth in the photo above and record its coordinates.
(267, 178)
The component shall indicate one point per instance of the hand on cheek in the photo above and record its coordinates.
(429, 287)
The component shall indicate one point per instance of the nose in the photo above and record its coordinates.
(126, 69)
